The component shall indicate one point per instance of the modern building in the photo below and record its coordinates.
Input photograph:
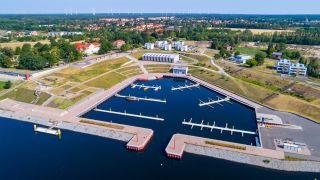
(180, 70)
(285, 66)
(118, 43)
(88, 48)
(291, 146)
(149, 45)
(276, 55)
(167, 47)
(161, 44)
(298, 69)
(171, 58)
(241, 59)
(180, 46)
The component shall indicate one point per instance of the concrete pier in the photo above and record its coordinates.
(178, 142)
(131, 115)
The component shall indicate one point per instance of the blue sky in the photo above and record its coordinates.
(178, 6)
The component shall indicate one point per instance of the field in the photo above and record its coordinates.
(25, 95)
(259, 31)
(203, 61)
(267, 89)
(247, 50)
(107, 80)
(13, 45)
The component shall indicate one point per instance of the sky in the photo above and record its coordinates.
(161, 6)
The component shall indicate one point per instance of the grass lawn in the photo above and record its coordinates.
(211, 52)
(247, 50)
(1, 85)
(258, 93)
(80, 75)
(203, 61)
(20, 94)
(43, 98)
(107, 80)
(63, 103)
(138, 55)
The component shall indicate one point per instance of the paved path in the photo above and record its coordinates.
(143, 69)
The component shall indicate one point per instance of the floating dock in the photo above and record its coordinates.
(156, 88)
(210, 102)
(131, 115)
(50, 130)
(232, 130)
(142, 99)
(185, 87)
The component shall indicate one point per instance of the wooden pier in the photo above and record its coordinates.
(185, 87)
(156, 88)
(232, 130)
(131, 115)
(142, 99)
(211, 101)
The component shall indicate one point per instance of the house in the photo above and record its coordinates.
(285, 66)
(167, 47)
(180, 70)
(63, 33)
(241, 59)
(171, 58)
(276, 55)
(149, 45)
(161, 44)
(118, 43)
(228, 48)
(88, 48)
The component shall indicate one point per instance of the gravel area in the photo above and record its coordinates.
(308, 135)
(297, 166)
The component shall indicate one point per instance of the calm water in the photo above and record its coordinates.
(26, 155)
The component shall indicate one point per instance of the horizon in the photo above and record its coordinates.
(249, 7)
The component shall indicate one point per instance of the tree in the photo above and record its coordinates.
(6, 61)
(251, 62)
(7, 85)
(105, 46)
(259, 57)
(237, 53)
(314, 67)
(18, 51)
(125, 47)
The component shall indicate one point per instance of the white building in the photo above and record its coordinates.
(180, 70)
(180, 46)
(171, 58)
(285, 66)
(241, 59)
(298, 69)
(149, 45)
(88, 48)
(167, 47)
(291, 147)
(161, 44)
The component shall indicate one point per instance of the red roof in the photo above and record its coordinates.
(81, 46)
(119, 41)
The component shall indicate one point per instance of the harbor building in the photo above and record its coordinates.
(241, 59)
(149, 46)
(171, 58)
(285, 66)
(180, 70)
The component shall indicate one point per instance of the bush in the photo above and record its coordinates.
(7, 85)
(251, 62)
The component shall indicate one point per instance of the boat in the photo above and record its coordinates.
(132, 98)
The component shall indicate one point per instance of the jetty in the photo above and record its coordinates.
(156, 88)
(185, 87)
(213, 126)
(211, 101)
(131, 115)
(141, 99)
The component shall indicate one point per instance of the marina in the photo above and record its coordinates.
(131, 115)
(133, 98)
(185, 87)
(154, 87)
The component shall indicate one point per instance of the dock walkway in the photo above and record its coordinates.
(131, 115)
(232, 130)
(185, 87)
(156, 88)
(142, 99)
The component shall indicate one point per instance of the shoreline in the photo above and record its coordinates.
(72, 121)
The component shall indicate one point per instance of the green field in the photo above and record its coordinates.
(107, 80)
(247, 50)
(1, 85)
